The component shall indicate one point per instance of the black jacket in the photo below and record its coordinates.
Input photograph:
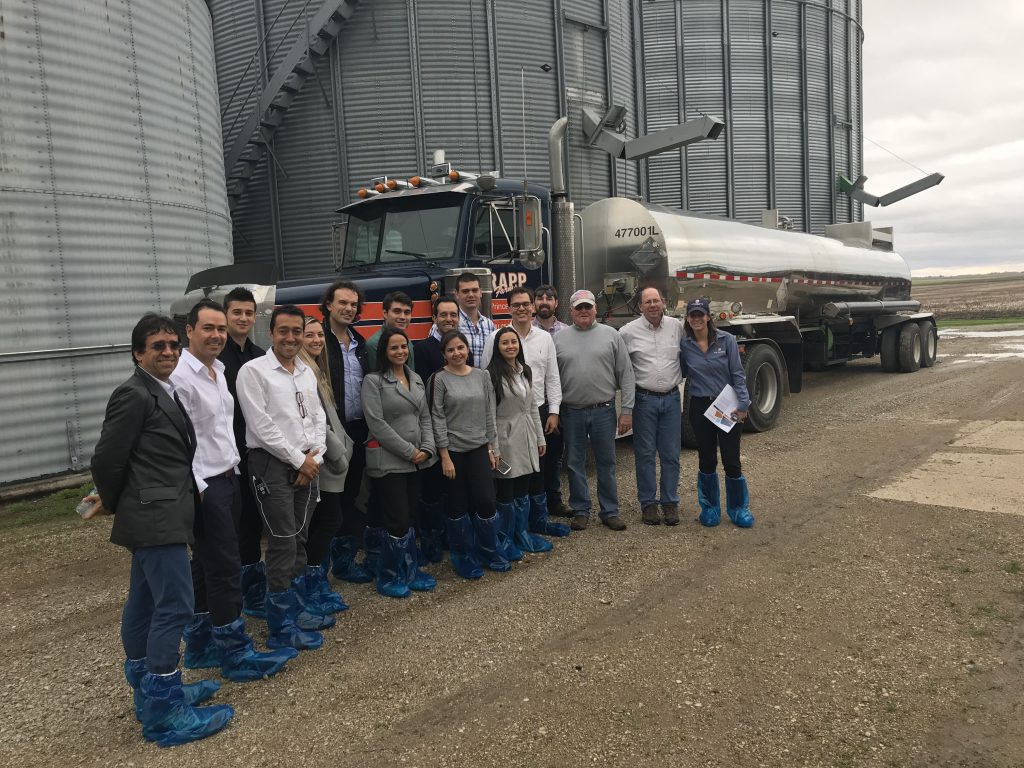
(142, 465)
(234, 357)
(429, 358)
(336, 363)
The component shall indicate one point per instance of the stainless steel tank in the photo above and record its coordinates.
(627, 244)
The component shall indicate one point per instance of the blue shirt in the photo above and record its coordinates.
(707, 373)
(476, 334)
(353, 380)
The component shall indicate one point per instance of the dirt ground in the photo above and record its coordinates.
(977, 296)
(872, 617)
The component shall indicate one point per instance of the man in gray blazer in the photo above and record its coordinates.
(142, 467)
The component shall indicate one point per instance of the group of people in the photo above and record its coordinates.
(222, 446)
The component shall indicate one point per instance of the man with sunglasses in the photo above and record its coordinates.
(593, 363)
(546, 297)
(286, 433)
(142, 467)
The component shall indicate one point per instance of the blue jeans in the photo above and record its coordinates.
(599, 425)
(159, 606)
(656, 429)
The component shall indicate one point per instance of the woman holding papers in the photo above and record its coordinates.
(710, 360)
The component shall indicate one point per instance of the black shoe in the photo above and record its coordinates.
(614, 522)
(651, 516)
(670, 513)
(579, 522)
(561, 509)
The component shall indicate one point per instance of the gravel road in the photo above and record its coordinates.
(844, 629)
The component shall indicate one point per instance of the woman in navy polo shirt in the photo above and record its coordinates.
(710, 359)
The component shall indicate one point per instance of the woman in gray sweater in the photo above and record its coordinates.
(520, 440)
(399, 444)
(462, 407)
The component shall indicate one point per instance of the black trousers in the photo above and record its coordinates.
(322, 527)
(472, 489)
(250, 526)
(352, 519)
(396, 497)
(524, 485)
(216, 570)
(711, 440)
(551, 461)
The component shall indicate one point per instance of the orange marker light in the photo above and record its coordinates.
(363, 193)
(379, 187)
(392, 184)
(415, 181)
(454, 175)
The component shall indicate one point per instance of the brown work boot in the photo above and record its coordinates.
(650, 515)
(579, 522)
(614, 522)
(671, 514)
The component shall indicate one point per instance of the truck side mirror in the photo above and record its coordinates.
(529, 231)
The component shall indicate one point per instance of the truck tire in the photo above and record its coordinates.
(929, 343)
(763, 370)
(910, 347)
(689, 439)
(890, 349)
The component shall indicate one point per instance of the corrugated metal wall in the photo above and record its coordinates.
(111, 194)
(407, 77)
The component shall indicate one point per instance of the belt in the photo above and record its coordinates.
(225, 473)
(642, 391)
(588, 407)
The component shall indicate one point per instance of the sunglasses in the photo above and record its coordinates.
(300, 401)
(545, 295)
(160, 346)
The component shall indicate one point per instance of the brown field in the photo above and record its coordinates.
(972, 296)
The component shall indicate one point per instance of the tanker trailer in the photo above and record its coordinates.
(793, 300)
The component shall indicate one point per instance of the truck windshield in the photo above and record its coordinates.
(414, 234)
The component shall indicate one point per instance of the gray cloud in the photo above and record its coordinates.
(942, 89)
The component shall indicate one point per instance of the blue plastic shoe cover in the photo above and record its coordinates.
(318, 587)
(195, 693)
(462, 546)
(343, 563)
(709, 498)
(540, 521)
(240, 663)
(391, 566)
(526, 541)
(168, 720)
(487, 547)
(282, 631)
(506, 511)
(737, 501)
(254, 589)
(200, 650)
(417, 580)
(308, 614)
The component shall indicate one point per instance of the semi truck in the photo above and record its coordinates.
(794, 301)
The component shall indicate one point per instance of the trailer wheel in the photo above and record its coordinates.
(910, 347)
(890, 349)
(689, 439)
(929, 343)
(763, 370)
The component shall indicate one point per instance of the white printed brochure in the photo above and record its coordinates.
(722, 412)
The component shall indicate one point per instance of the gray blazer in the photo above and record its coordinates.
(519, 431)
(142, 465)
(334, 470)
(398, 421)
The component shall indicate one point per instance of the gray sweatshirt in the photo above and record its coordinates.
(592, 365)
(462, 410)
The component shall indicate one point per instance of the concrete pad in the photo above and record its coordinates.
(989, 478)
(1002, 435)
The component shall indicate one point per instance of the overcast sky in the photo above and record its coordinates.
(944, 88)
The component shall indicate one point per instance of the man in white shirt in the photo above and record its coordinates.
(652, 341)
(539, 351)
(216, 636)
(286, 433)
(473, 323)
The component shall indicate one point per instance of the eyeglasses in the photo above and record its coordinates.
(520, 304)
(583, 307)
(300, 401)
(160, 346)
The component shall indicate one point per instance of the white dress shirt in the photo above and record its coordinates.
(539, 351)
(212, 410)
(269, 396)
(654, 352)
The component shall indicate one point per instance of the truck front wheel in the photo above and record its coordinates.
(763, 370)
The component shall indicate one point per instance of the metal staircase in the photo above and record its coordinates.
(253, 140)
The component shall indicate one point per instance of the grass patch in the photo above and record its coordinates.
(47, 509)
(979, 631)
(1013, 567)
